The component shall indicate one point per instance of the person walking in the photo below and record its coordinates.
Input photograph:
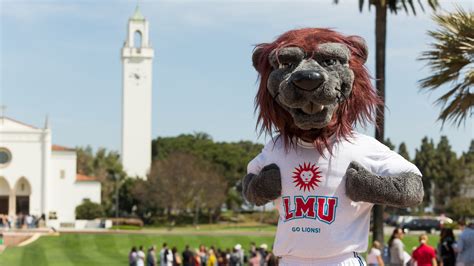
(263, 253)
(197, 258)
(271, 259)
(424, 255)
(241, 253)
(255, 259)
(211, 259)
(176, 258)
(396, 248)
(234, 259)
(140, 257)
(151, 256)
(187, 257)
(166, 257)
(446, 247)
(465, 247)
(203, 255)
(132, 257)
(374, 258)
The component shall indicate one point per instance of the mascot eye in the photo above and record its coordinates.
(285, 65)
(329, 62)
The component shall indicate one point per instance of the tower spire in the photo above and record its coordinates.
(137, 15)
(46, 122)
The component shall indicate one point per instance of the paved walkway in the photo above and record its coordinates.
(167, 232)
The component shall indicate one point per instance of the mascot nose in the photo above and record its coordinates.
(307, 80)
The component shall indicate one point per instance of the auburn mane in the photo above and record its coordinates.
(359, 108)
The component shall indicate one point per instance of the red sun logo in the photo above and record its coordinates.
(306, 177)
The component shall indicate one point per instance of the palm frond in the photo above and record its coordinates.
(412, 7)
(451, 63)
(421, 5)
(395, 5)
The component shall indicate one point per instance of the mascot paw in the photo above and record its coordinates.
(270, 182)
(264, 187)
(402, 190)
(357, 179)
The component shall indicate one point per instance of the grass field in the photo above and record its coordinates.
(112, 249)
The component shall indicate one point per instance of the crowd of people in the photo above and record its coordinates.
(449, 251)
(202, 256)
(22, 221)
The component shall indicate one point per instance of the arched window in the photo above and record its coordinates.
(4, 195)
(137, 38)
(23, 192)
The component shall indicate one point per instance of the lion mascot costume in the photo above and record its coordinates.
(322, 176)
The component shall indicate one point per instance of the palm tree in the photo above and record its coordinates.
(381, 7)
(451, 62)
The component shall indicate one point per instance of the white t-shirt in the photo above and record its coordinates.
(316, 218)
(141, 258)
(372, 256)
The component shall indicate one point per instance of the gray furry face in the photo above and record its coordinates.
(310, 86)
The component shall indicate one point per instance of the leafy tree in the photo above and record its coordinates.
(467, 160)
(461, 207)
(88, 210)
(389, 144)
(467, 170)
(448, 176)
(100, 165)
(425, 160)
(230, 159)
(181, 183)
(402, 150)
(127, 200)
(450, 60)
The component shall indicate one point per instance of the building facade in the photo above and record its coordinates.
(38, 177)
(137, 58)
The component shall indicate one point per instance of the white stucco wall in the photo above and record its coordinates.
(87, 190)
(34, 163)
(137, 102)
(61, 196)
(26, 146)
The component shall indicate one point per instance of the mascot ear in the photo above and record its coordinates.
(360, 44)
(256, 57)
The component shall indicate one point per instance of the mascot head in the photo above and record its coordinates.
(313, 85)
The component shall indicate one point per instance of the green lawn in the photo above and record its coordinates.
(112, 249)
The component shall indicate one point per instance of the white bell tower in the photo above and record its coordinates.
(137, 58)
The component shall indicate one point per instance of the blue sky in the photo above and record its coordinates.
(62, 58)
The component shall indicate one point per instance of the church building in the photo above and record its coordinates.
(38, 177)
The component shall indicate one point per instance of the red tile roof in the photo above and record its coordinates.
(61, 148)
(81, 177)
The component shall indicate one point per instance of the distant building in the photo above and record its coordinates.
(137, 58)
(38, 177)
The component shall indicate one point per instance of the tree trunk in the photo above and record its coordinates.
(196, 214)
(216, 213)
(380, 43)
(209, 210)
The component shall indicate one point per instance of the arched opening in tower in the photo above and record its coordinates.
(137, 38)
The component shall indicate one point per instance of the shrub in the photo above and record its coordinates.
(89, 210)
(136, 222)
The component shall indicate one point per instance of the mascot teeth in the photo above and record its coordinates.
(313, 108)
